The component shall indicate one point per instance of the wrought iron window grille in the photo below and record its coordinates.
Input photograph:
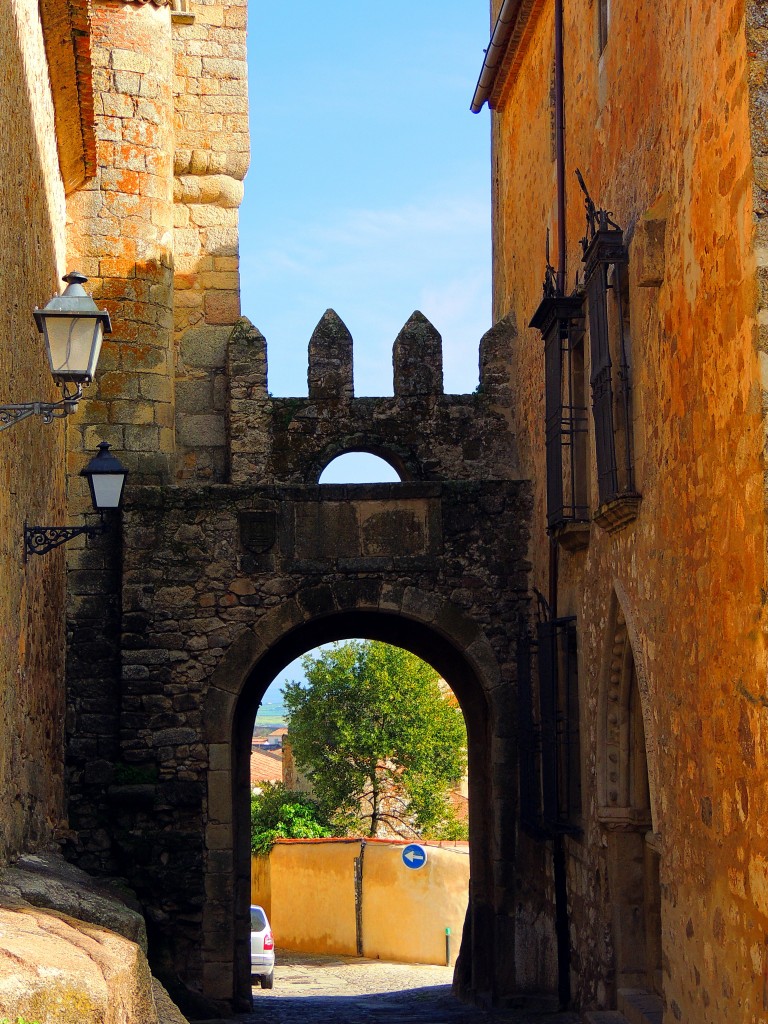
(560, 319)
(548, 725)
(605, 259)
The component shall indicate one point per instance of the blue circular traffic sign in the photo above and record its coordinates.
(414, 856)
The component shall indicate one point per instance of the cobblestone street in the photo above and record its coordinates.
(312, 989)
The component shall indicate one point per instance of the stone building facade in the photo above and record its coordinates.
(39, 165)
(639, 409)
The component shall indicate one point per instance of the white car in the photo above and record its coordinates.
(262, 948)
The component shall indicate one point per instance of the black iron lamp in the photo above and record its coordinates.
(106, 478)
(73, 329)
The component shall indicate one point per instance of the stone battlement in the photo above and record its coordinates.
(422, 432)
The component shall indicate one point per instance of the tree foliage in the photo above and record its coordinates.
(278, 813)
(380, 742)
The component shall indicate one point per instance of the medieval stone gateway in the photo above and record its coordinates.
(223, 585)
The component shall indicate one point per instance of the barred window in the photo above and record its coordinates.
(548, 721)
(607, 295)
(561, 322)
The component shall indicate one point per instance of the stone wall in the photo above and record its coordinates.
(659, 125)
(206, 569)
(33, 456)
(211, 158)
(121, 238)
(422, 433)
(156, 231)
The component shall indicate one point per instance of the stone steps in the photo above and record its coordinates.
(640, 1006)
(635, 1006)
(604, 1017)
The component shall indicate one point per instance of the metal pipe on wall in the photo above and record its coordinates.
(559, 869)
(560, 145)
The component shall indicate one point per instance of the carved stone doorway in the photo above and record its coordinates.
(633, 848)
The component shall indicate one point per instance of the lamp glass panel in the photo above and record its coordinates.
(73, 345)
(107, 489)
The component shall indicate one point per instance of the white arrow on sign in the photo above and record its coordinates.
(414, 856)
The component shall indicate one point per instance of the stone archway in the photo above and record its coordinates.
(462, 654)
(626, 813)
(223, 580)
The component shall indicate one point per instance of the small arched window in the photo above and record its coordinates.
(359, 468)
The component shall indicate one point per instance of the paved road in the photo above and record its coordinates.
(311, 989)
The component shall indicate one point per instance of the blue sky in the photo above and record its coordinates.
(369, 186)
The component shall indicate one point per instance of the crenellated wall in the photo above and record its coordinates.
(291, 440)
(219, 583)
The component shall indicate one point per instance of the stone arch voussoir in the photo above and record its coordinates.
(438, 614)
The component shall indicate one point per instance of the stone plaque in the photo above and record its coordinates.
(258, 530)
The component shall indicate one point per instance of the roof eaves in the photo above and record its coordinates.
(505, 52)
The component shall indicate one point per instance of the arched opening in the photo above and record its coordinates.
(384, 743)
(229, 809)
(360, 468)
(633, 847)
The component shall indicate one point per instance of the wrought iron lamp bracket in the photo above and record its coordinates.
(49, 411)
(39, 540)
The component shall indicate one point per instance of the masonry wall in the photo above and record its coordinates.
(333, 549)
(156, 232)
(32, 458)
(437, 561)
(212, 153)
(659, 125)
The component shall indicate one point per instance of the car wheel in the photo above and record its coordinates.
(268, 980)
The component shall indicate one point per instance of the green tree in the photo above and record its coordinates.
(277, 813)
(380, 742)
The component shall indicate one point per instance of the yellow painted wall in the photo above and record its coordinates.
(261, 888)
(406, 912)
(313, 896)
(308, 891)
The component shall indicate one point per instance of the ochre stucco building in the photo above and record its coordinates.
(639, 409)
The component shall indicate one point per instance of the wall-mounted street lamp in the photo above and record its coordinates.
(106, 477)
(73, 329)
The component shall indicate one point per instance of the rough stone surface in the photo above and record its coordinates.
(47, 881)
(72, 950)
